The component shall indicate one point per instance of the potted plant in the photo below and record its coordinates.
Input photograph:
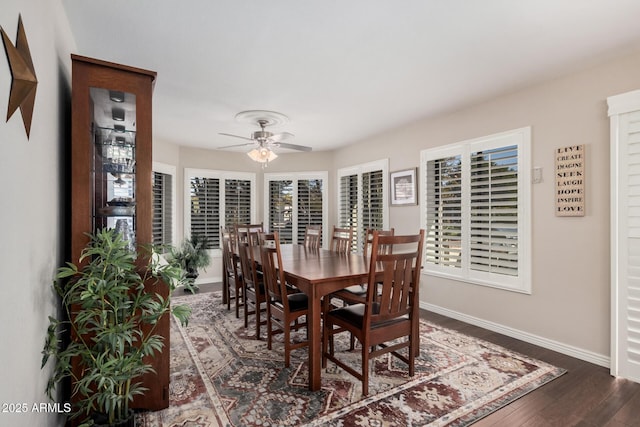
(191, 256)
(109, 326)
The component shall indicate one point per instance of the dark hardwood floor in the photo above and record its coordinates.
(586, 396)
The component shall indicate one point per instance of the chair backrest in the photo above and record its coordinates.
(275, 284)
(397, 289)
(368, 241)
(251, 231)
(341, 239)
(312, 236)
(228, 248)
(250, 227)
(247, 260)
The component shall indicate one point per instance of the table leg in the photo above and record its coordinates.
(315, 342)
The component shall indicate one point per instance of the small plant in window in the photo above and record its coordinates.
(191, 256)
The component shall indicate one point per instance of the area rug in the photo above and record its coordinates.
(222, 376)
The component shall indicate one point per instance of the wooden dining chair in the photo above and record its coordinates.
(368, 240)
(390, 317)
(313, 236)
(232, 278)
(252, 280)
(357, 293)
(284, 308)
(341, 238)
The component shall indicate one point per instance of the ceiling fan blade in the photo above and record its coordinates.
(236, 136)
(236, 145)
(281, 137)
(293, 146)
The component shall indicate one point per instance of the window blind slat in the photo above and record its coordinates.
(293, 204)
(205, 209)
(443, 245)
(494, 210)
(162, 220)
(310, 205)
(217, 201)
(237, 197)
(281, 209)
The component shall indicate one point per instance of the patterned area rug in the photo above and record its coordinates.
(221, 376)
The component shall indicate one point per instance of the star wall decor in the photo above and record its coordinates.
(24, 83)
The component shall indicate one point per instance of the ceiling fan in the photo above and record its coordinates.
(263, 140)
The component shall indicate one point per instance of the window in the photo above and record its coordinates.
(217, 198)
(163, 188)
(293, 201)
(476, 210)
(362, 199)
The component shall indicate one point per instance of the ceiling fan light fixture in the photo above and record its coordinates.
(262, 155)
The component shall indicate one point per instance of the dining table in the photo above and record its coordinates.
(318, 273)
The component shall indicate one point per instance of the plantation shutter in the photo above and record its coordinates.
(205, 209)
(310, 211)
(477, 210)
(372, 204)
(237, 202)
(162, 209)
(494, 211)
(294, 201)
(362, 199)
(348, 201)
(443, 242)
(281, 209)
(624, 113)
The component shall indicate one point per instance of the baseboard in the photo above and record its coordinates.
(578, 353)
(201, 280)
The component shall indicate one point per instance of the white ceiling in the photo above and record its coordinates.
(342, 70)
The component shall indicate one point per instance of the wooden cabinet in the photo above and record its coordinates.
(111, 173)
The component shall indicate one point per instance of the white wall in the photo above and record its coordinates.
(569, 307)
(32, 217)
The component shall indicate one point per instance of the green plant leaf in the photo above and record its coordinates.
(108, 308)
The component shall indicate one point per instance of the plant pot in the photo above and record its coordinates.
(192, 273)
(102, 420)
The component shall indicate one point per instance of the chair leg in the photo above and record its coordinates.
(331, 341)
(239, 300)
(246, 313)
(325, 343)
(327, 335)
(237, 304)
(269, 330)
(257, 320)
(287, 349)
(412, 357)
(365, 370)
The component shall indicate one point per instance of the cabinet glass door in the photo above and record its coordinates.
(114, 162)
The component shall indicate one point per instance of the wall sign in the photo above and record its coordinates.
(570, 181)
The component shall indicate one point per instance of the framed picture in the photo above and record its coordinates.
(404, 191)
